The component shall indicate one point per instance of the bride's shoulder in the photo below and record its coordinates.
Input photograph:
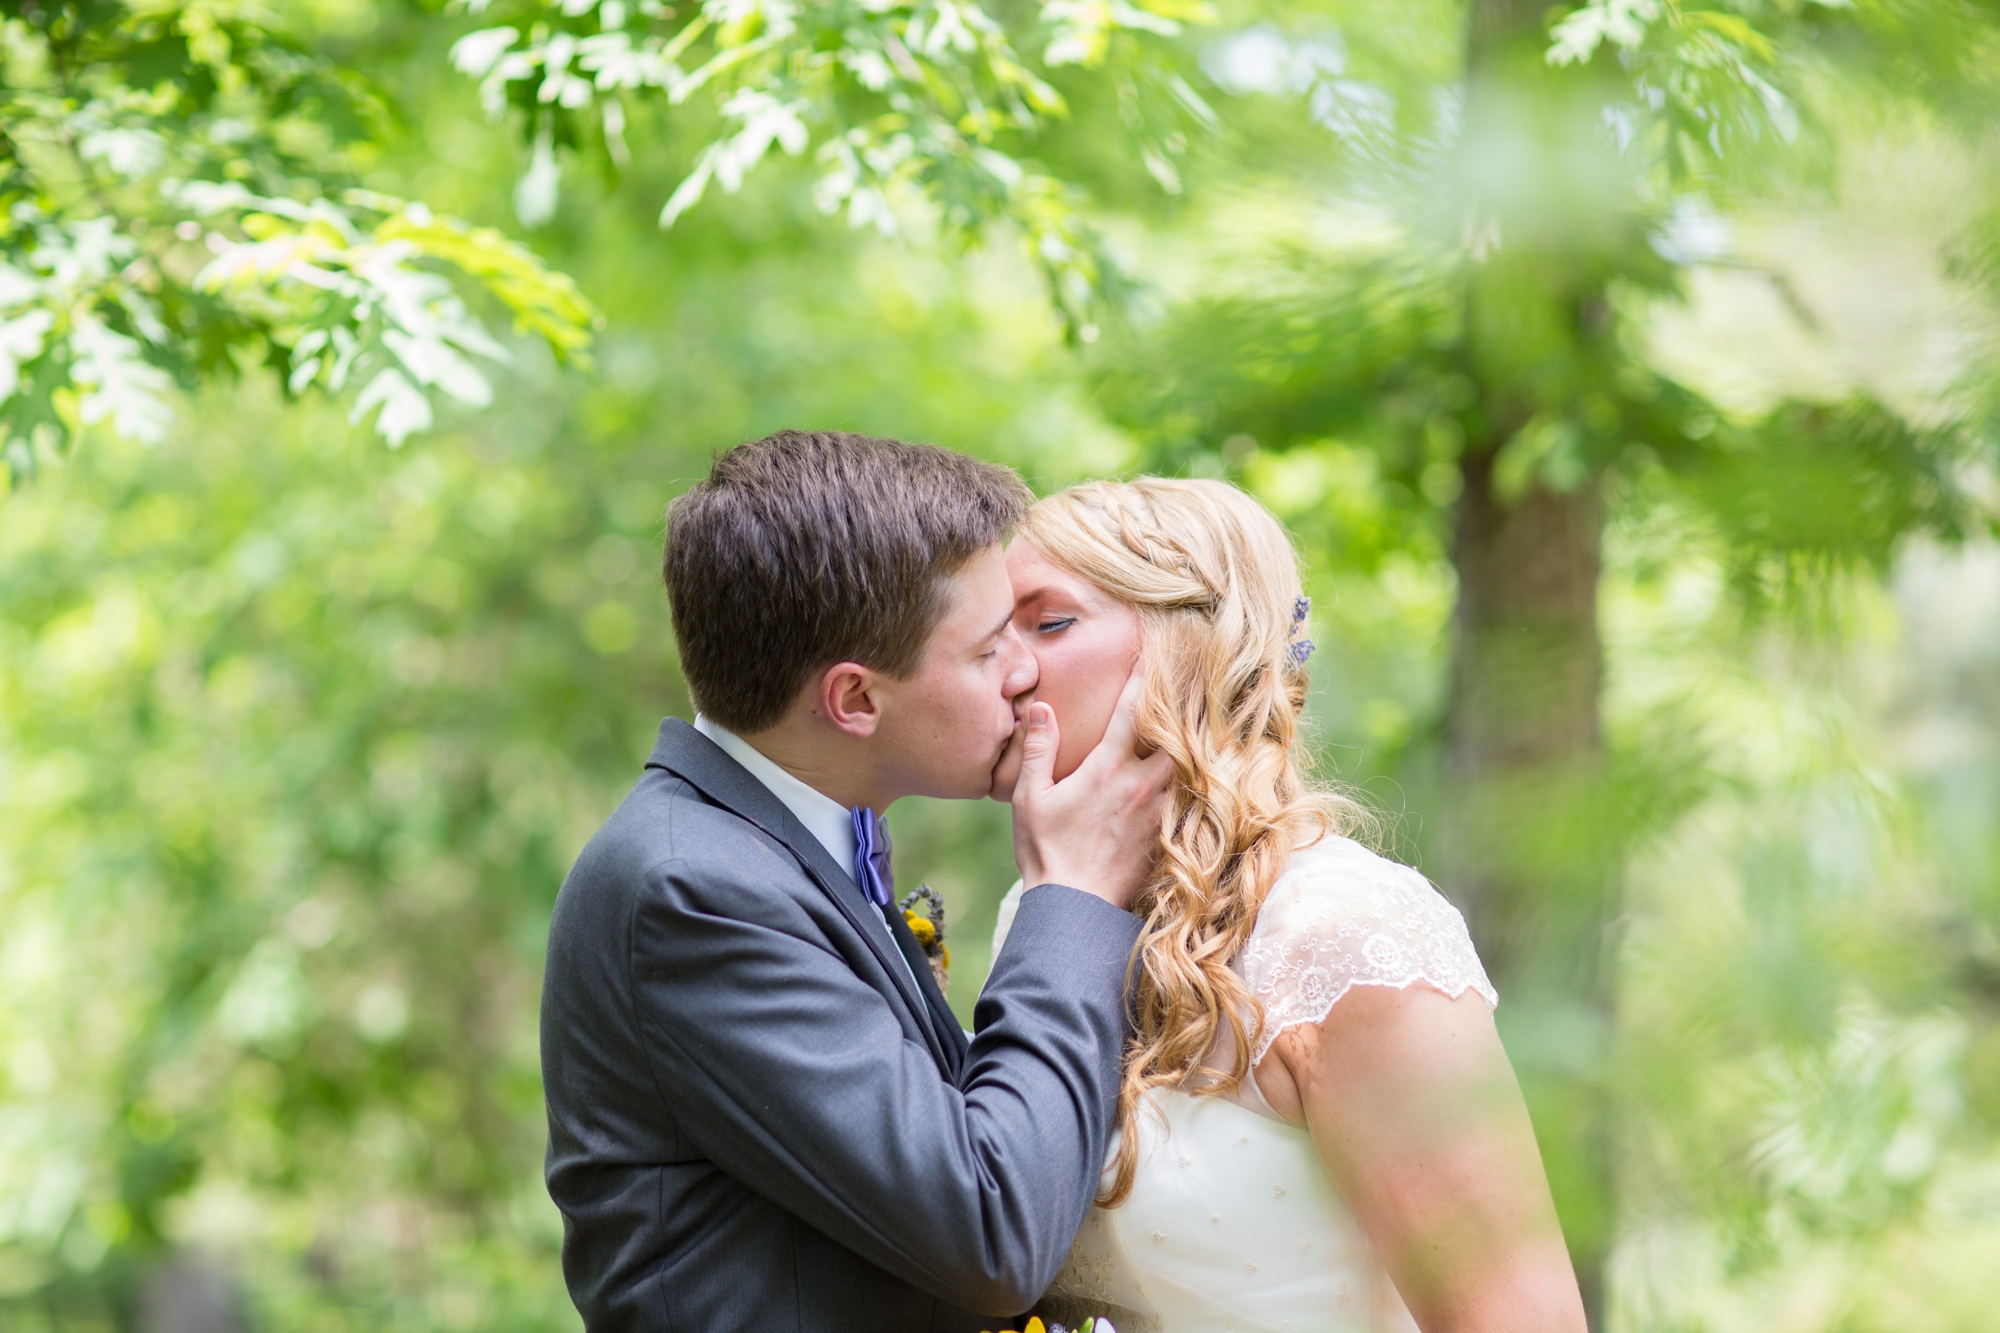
(1341, 916)
(1338, 877)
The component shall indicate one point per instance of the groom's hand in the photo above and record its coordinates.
(1099, 828)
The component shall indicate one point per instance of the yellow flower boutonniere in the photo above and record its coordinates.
(928, 927)
(1090, 1325)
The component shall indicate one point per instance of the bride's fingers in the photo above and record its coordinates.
(1039, 741)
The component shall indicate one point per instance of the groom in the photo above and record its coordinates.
(762, 1114)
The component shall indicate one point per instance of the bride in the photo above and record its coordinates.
(1318, 1126)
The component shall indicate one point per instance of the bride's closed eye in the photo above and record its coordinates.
(1058, 623)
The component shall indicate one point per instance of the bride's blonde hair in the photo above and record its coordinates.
(1215, 582)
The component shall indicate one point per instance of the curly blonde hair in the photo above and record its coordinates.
(1215, 583)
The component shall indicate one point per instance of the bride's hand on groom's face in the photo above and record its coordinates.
(1098, 829)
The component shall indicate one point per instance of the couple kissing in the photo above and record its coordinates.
(1230, 1070)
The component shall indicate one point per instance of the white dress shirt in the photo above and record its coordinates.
(825, 818)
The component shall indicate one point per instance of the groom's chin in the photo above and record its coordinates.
(963, 784)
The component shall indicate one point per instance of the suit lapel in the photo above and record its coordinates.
(683, 750)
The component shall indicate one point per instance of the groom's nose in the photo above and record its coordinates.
(1023, 671)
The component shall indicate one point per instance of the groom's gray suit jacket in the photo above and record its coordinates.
(757, 1121)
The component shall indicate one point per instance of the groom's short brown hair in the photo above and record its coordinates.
(807, 548)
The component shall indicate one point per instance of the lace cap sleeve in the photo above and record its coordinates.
(1341, 916)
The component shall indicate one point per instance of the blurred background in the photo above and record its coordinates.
(1625, 374)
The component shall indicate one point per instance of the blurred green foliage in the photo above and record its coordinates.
(298, 734)
(178, 202)
(920, 117)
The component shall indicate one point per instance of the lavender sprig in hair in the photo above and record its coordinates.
(1300, 650)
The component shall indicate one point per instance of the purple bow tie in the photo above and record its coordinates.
(871, 856)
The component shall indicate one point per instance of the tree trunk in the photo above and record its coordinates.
(1525, 673)
(1524, 856)
(1527, 853)
(188, 1293)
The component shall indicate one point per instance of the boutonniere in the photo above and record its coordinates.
(1090, 1325)
(928, 927)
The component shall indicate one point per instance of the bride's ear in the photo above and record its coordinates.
(848, 698)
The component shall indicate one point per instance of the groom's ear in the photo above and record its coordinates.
(849, 698)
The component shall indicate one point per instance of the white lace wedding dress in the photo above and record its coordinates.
(1233, 1225)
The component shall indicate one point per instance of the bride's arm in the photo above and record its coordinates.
(1418, 1118)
